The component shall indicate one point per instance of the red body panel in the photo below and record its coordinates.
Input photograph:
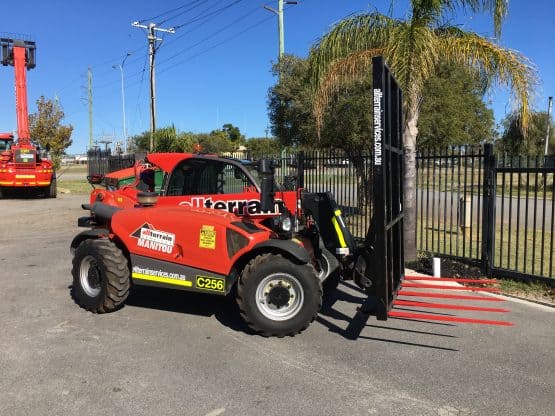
(126, 197)
(182, 234)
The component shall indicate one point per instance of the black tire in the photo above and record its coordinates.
(292, 295)
(328, 269)
(52, 189)
(1, 193)
(100, 276)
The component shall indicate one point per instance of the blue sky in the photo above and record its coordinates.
(211, 72)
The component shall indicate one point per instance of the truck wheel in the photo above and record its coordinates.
(328, 269)
(277, 297)
(52, 190)
(1, 193)
(100, 276)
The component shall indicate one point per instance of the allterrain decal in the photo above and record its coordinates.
(153, 239)
(252, 206)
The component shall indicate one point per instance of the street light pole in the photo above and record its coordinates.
(279, 13)
(120, 66)
(549, 105)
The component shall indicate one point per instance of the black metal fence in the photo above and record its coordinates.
(101, 162)
(347, 176)
(495, 211)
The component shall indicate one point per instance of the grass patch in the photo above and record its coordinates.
(523, 250)
(78, 186)
(529, 290)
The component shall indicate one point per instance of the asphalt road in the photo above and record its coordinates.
(173, 353)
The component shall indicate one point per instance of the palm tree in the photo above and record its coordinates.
(413, 49)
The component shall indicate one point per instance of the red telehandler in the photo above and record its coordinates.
(254, 253)
(21, 163)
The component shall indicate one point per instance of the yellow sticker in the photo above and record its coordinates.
(207, 237)
(214, 284)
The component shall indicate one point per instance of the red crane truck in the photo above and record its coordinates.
(21, 164)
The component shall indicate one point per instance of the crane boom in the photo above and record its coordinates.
(21, 55)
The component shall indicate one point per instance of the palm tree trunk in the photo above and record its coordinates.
(409, 145)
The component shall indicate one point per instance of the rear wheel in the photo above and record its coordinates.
(277, 297)
(52, 189)
(100, 276)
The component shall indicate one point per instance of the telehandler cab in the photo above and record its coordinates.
(274, 261)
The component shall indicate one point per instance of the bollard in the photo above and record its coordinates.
(436, 267)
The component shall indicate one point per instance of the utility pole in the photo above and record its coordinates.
(120, 66)
(90, 97)
(549, 105)
(152, 39)
(279, 13)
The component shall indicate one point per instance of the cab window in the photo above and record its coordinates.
(206, 177)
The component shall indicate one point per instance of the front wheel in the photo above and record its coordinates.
(100, 276)
(277, 297)
(328, 271)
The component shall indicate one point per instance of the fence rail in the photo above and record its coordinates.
(101, 162)
(495, 211)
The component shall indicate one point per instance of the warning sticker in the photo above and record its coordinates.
(207, 237)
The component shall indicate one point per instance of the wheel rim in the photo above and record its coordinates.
(89, 276)
(323, 267)
(279, 296)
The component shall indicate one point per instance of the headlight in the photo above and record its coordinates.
(286, 224)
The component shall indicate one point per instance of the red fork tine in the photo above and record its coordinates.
(402, 302)
(429, 317)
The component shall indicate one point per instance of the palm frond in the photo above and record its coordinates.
(341, 72)
(357, 33)
(432, 9)
(506, 67)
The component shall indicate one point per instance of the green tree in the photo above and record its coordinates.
(46, 128)
(514, 143)
(453, 111)
(345, 125)
(413, 48)
(233, 133)
(185, 142)
(289, 103)
(215, 142)
(263, 146)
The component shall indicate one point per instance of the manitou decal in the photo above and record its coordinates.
(252, 206)
(153, 239)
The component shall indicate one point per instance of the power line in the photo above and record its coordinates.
(260, 22)
(200, 17)
(152, 39)
(169, 11)
(213, 34)
(198, 3)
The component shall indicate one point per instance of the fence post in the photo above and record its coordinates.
(300, 169)
(488, 208)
